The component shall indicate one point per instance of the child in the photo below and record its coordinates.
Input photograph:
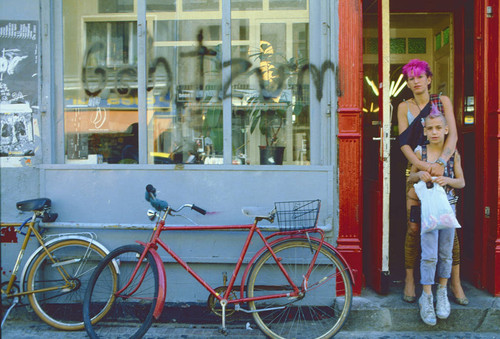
(437, 243)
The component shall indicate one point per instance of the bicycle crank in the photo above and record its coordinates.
(214, 304)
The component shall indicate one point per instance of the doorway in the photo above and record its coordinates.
(426, 36)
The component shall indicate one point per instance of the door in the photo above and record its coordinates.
(390, 42)
(376, 145)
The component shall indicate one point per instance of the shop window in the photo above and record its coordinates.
(100, 85)
(161, 5)
(116, 6)
(270, 95)
(246, 5)
(288, 4)
(200, 5)
(185, 89)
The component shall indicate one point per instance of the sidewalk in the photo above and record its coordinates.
(372, 316)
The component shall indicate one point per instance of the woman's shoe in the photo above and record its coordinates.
(461, 301)
(410, 299)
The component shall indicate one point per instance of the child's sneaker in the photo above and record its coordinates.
(442, 304)
(426, 304)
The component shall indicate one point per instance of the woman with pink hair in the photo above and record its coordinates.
(411, 113)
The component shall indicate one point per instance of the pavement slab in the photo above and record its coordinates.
(372, 316)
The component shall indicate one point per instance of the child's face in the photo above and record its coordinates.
(435, 130)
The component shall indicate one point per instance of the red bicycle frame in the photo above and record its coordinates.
(152, 245)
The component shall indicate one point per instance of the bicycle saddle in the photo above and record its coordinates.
(33, 204)
(257, 212)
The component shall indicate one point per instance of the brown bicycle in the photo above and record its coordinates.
(56, 274)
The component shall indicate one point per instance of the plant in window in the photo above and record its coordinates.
(269, 110)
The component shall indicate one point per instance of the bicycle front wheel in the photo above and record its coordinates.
(129, 313)
(324, 303)
(58, 279)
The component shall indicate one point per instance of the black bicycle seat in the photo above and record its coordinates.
(33, 204)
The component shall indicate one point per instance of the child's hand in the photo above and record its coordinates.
(424, 176)
(442, 181)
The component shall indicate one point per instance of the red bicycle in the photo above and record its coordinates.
(296, 286)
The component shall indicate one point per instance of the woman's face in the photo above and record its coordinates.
(419, 83)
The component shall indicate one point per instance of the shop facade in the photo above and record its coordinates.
(226, 104)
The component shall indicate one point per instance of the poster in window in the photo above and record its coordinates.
(18, 86)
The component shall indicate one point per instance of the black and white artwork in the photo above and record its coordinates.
(18, 86)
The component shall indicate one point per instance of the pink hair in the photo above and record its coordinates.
(435, 113)
(416, 67)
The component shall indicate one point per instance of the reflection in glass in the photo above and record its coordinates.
(184, 103)
(100, 85)
(269, 82)
(246, 5)
(197, 5)
(116, 6)
(160, 5)
(270, 107)
(288, 4)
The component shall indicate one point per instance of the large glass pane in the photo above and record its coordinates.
(100, 83)
(288, 4)
(116, 6)
(200, 5)
(160, 5)
(184, 105)
(270, 85)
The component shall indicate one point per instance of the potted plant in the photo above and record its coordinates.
(269, 121)
(264, 115)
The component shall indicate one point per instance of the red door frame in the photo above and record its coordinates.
(486, 73)
(350, 140)
(486, 92)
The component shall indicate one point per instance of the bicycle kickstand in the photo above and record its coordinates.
(14, 302)
(223, 329)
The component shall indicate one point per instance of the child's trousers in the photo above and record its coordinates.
(437, 247)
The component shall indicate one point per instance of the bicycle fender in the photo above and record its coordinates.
(54, 241)
(276, 242)
(162, 284)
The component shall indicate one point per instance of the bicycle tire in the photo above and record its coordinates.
(61, 308)
(323, 308)
(128, 316)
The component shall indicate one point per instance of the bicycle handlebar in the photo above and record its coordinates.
(162, 205)
(198, 209)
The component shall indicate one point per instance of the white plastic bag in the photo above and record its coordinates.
(437, 213)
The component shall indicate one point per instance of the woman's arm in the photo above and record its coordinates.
(451, 141)
(416, 175)
(406, 149)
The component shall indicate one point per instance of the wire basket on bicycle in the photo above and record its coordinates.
(297, 215)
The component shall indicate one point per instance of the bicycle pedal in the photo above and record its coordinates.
(223, 331)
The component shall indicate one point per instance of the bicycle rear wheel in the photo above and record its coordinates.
(326, 299)
(61, 306)
(129, 314)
